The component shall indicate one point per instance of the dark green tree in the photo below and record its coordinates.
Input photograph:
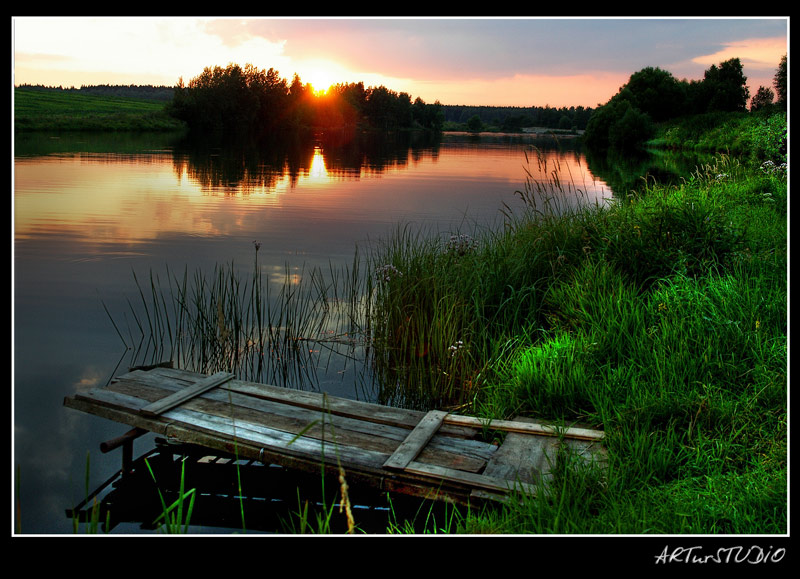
(474, 124)
(232, 100)
(599, 125)
(724, 88)
(779, 82)
(762, 99)
(655, 92)
(630, 129)
(428, 116)
(379, 108)
(351, 99)
(618, 125)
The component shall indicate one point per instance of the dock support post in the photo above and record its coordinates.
(126, 442)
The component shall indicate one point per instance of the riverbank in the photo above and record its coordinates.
(661, 319)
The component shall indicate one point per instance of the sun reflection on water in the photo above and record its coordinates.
(317, 170)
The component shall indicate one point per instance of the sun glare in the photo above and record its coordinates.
(321, 76)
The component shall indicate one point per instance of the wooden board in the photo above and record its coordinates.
(187, 393)
(525, 427)
(391, 448)
(527, 459)
(410, 448)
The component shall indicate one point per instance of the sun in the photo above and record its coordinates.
(321, 75)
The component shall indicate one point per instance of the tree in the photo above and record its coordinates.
(655, 92)
(780, 83)
(763, 98)
(232, 100)
(254, 103)
(474, 124)
(724, 88)
(428, 116)
(626, 121)
(630, 129)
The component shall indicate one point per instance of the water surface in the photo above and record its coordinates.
(90, 212)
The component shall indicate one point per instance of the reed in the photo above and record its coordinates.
(175, 518)
(235, 321)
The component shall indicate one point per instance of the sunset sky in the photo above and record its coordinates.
(471, 61)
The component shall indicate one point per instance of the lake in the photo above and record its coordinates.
(95, 213)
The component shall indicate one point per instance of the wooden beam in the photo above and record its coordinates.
(416, 441)
(173, 400)
(476, 480)
(525, 427)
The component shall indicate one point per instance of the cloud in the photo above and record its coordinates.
(755, 53)
(404, 54)
(451, 49)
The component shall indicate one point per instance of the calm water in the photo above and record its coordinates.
(89, 212)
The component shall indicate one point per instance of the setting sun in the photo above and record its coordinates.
(321, 75)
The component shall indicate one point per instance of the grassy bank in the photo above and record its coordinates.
(55, 110)
(755, 136)
(661, 319)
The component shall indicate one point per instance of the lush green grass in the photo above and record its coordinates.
(661, 319)
(37, 109)
(757, 136)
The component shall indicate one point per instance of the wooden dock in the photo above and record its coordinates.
(427, 454)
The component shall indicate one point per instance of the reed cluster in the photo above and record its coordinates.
(235, 320)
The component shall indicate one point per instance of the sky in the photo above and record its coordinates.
(560, 62)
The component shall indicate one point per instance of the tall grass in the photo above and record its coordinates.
(235, 321)
(660, 317)
(671, 334)
(446, 305)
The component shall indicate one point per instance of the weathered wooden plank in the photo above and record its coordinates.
(185, 394)
(416, 440)
(207, 439)
(470, 479)
(469, 455)
(525, 427)
(334, 405)
(389, 446)
(524, 457)
(296, 418)
(107, 398)
(275, 440)
(243, 432)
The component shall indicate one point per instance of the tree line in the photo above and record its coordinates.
(247, 100)
(653, 95)
(145, 92)
(514, 119)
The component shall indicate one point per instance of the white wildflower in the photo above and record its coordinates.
(460, 244)
(388, 273)
(456, 347)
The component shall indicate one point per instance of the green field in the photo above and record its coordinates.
(47, 109)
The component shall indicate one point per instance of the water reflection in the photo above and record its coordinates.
(92, 211)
